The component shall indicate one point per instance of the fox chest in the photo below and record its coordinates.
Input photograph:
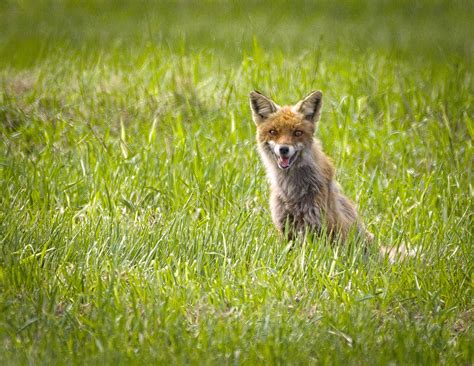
(299, 214)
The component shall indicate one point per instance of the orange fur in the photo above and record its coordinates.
(304, 194)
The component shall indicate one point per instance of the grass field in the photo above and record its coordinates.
(134, 224)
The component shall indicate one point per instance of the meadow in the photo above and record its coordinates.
(134, 224)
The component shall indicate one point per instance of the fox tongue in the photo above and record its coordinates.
(284, 162)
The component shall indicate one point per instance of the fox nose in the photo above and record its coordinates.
(284, 150)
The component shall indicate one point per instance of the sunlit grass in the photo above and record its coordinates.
(134, 223)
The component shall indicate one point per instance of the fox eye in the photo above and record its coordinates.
(298, 133)
(273, 132)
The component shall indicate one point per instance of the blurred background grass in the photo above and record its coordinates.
(420, 29)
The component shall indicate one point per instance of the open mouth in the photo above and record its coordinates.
(284, 162)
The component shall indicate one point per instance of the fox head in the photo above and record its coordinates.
(283, 133)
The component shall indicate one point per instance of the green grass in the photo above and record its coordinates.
(134, 224)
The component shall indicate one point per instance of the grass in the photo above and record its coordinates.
(134, 224)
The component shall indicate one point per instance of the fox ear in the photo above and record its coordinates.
(262, 106)
(310, 106)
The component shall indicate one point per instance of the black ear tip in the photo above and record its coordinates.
(255, 91)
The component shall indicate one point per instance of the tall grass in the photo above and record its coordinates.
(134, 224)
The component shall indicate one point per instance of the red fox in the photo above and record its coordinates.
(304, 194)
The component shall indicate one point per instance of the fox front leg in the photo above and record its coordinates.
(281, 218)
